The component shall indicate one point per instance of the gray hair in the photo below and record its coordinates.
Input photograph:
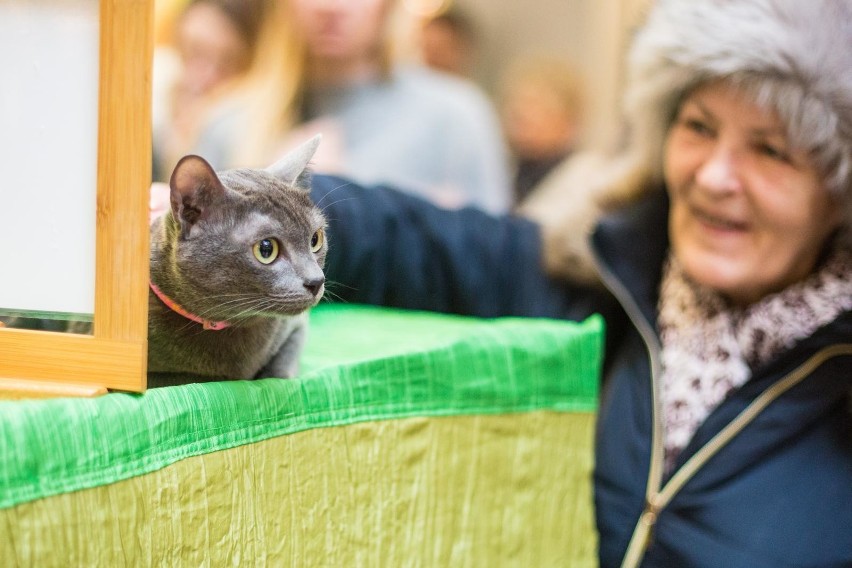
(811, 125)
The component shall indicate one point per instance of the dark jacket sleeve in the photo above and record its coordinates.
(393, 249)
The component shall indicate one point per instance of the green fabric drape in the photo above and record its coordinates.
(478, 491)
(468, 426)
(361, 364)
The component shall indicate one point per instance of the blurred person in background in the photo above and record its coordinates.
(541, 105)
(331, 67)
(448, 42)
(210, 44)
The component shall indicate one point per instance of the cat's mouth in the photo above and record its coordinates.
(294, 308)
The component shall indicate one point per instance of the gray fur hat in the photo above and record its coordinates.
(794, 56)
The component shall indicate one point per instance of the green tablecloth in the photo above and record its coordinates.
(362, 365)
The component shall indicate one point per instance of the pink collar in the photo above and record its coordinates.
(210, 325)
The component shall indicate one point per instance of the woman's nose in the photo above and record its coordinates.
(720, 171)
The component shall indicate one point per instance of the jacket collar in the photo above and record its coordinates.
(632, 244)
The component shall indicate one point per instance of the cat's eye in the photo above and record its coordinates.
(266, 250)
(317, 240)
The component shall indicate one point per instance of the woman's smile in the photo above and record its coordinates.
(718, 223)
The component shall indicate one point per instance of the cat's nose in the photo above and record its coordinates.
(314, 284)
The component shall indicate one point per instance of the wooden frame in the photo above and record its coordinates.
(35, 363)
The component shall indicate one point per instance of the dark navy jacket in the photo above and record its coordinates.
(767, 478)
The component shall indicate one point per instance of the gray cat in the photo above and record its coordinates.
(235, 265)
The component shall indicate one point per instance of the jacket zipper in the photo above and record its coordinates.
(657, 497)
(642, 534)
(657, 501)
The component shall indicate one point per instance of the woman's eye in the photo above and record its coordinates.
(317, 240)
(266, 250)
(773, 152)
(697, 126)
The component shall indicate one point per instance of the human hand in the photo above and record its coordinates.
(159, 201)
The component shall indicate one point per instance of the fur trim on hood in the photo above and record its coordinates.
(803, 44)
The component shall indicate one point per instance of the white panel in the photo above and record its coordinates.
(48, 154)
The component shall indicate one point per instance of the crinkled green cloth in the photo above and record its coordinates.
(361, 365)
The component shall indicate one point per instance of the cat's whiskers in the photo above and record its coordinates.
(249, 311)
(261, 309)
(233, 298)
(333, 284)
(332, 190)
(246, 306)
(241, 304)
(189, 326)
(266, 306)
(236, 301)
(331, 295)
(235, 295)
(335, 203)
(215, 311)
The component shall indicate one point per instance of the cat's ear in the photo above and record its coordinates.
(195, 186)
(294, 163)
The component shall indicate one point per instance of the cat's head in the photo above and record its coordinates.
(246, 242)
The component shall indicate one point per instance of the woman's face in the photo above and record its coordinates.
(749, 213)
(340, 30)
(211, 48)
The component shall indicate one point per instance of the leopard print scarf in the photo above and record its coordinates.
(710, 349)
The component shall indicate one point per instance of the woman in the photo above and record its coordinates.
(211, 45)
(330, 68)
(724, 432)
(541, 109)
